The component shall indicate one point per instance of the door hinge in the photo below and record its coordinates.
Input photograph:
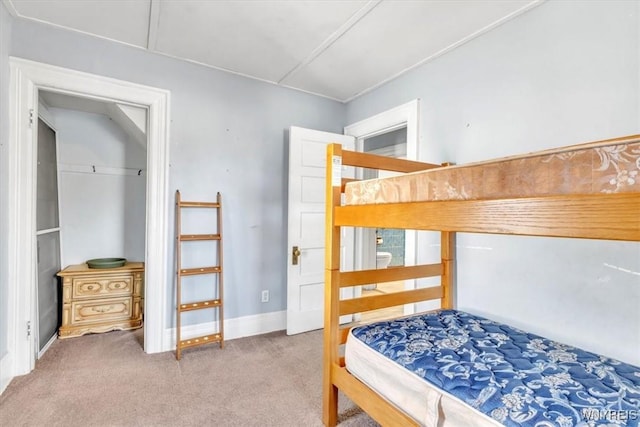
(31, 118)
(28, 328)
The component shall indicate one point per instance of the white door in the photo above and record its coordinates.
(305, 272)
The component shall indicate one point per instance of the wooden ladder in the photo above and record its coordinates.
(216, 303)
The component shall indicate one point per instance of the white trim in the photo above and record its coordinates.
(6, 369)
(387, 121)
(47, 231)
(238, 327)
(21, 219)
(47, 118)
(27, 78)
(11, 8)
(47, 345)
(392, 119)
(154, 23)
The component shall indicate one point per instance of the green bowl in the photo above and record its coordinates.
(106, 262)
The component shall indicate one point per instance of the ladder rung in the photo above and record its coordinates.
(199, 305)
(191, 237)
(205, 339)
(200, 270)
(199, 204)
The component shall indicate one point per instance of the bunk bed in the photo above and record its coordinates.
(583, 191)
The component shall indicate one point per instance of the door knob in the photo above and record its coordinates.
(295, 254)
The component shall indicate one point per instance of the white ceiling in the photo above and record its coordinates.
(133, 120)
(59, 100)
(339, 49)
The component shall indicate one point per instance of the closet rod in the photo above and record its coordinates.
(100, 170)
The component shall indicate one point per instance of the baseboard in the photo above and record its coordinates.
(233, 328)
(6, 371)
(47, 345)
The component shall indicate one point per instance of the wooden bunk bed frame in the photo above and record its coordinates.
(592, 216)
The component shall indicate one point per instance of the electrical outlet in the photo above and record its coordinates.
(265, 296)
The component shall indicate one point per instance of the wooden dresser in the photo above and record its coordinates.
(101, 300)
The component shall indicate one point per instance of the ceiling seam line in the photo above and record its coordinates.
(11, 8)
(334, 37)
(449, 48)
(154, 24)
(177, 58)
(86, 33)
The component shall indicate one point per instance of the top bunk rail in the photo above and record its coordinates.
(601, 216)
(596, 198)
(375, 161)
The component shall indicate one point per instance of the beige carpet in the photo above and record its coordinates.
(107, 380)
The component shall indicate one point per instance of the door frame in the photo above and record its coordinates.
(27, 78)
(405, 115)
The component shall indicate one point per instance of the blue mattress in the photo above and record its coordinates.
(514, 377)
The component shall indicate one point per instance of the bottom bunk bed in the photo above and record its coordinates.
(450, 368)
(453, 368)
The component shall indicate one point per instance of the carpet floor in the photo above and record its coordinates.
(108, 380)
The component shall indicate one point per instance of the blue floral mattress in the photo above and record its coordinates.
(514, 377)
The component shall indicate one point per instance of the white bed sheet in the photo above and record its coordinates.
(425, 403)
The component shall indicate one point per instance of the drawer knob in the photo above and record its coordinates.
(102, 309)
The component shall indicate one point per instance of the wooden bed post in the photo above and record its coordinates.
(331, 285)
(448, 252)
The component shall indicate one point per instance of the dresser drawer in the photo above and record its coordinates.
(86, 312)
(102, 286)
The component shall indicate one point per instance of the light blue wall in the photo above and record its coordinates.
(561, 74)
(228, 134)
(5, 43)
(566, 72)
(115, 226)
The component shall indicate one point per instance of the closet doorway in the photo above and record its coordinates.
(28, 78)
(96, 168)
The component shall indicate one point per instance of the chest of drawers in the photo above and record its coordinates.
(101, 300)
